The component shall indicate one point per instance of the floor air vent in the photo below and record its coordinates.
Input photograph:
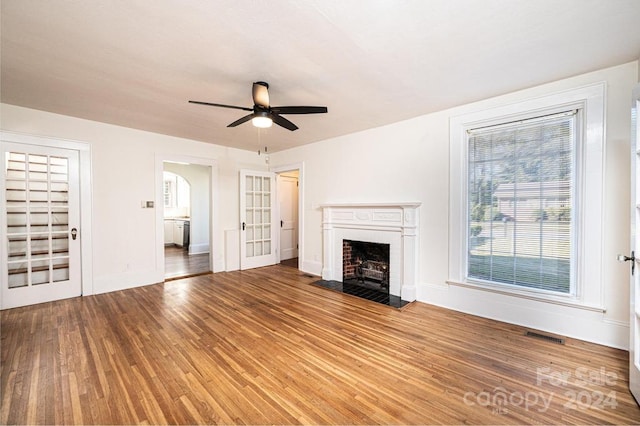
(546, 337)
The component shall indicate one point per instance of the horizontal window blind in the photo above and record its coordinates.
(520, 202)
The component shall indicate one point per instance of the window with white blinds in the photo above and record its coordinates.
(521, 204)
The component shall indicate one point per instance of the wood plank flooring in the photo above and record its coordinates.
(267, 347)
(292, 263)
(178, 263)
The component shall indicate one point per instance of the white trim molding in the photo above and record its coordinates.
(302, 264)
(582, 315)
(589, 101)
(216, 247)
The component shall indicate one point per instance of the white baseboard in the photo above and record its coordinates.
(231, 268)
(408, 293)
(198, 248)
(311, 267)
(126, 280)
(218, 264)
(568, 321)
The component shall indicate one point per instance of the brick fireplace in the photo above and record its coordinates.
(392, 224)
(366, 264)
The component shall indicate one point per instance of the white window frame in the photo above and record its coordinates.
(169, 191)
(174, 190)
(587, 253)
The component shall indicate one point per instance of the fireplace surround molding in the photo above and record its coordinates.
(396, 224)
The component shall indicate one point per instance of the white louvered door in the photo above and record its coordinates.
(40, 225)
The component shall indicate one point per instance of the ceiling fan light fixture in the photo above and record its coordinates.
(262, 121)
(263, 115)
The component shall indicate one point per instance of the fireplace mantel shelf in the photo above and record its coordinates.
(410, 204)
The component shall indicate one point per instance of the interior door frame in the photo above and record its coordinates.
(289, 168)
(216, 263)
(86, 194)
(280, 178)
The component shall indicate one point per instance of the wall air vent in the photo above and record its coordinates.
(546, 337)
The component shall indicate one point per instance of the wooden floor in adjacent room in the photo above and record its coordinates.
(179, 263)
(267, 346)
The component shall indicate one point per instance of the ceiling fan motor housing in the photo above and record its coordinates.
(264, 113)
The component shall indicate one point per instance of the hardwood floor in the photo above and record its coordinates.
(291, 263)
(266, 346)
(178, 263)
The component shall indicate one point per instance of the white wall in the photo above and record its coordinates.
(409, 161)
(125, 240)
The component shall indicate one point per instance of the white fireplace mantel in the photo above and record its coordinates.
(395, 224)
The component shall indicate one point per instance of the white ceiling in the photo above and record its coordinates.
(135, 63)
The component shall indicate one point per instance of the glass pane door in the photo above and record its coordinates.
(257, 246)
(37, 200)
(258, 228)
(41, 194)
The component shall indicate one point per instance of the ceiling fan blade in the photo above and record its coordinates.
(220, 105)
(241, 120)
(260, 93)
(299, 109)
(281, 121)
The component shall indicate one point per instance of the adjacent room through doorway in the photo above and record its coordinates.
(186, 196)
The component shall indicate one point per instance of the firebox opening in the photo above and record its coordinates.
(366, 264)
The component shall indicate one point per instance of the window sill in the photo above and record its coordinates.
(539, 297)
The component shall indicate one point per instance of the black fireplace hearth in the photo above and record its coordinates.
(365, 273)
(365, 293)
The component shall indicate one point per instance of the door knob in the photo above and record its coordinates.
(632, 258)
(74, 233)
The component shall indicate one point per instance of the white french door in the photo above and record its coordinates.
(39, 224)
(257, 219)
(634, 339)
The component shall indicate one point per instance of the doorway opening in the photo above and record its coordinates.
(288, 207)
(186, 219)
